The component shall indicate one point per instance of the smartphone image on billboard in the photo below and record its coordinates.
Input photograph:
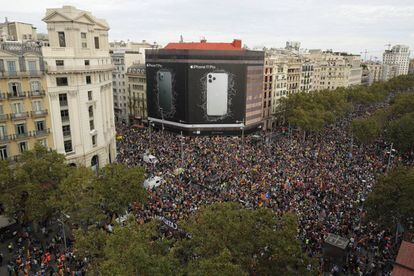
(164, 83)
(217, 93)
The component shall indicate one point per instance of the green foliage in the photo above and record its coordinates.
(31, 183)
(120, 186)
(365, 130)
(401, 132)
(391, 201)
(136, 250)
(226, 239)
(257, 241)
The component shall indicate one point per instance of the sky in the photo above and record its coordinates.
(342, 25)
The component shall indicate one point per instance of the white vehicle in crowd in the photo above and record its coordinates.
(153, 182)
(149, 159)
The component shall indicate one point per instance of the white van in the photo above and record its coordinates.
(150, 159)
(153, 182)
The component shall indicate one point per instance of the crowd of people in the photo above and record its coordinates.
(323, 178)
(44, 253)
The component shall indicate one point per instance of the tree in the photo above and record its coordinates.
(120, 186)
(391, 201)
(32, 183)
(401, 132)
(257, 241)
(140, 248)
(79, 197)
(365, 130)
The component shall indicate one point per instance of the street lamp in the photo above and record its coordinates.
(63, 230)
(389, 156)
(162, 118)
(242, 129)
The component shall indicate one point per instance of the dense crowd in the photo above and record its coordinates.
(41, 254)
(323, 178)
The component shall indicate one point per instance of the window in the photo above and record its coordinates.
(84, 45)
(40, 125)
(90, 110)
(17, 108)
(35, 86)
(94, 140)
(62, 41)
(62, 81)
(63, 99)
(83, 35)
(43, 142)
(3, 153)
(22, 147)
(66, 131)
(21, 129)
(11, 66)
(15, 89)
(60, 62)
(91, 125)
(64, 114)
(96, 42)
(88, 80)
(37, 106)
(3, 132)
(68, 145)
(90, 96)
(86, 62)
(32, 66)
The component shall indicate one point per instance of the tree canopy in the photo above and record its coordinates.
(391, 201)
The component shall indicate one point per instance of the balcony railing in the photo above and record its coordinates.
(6, 138)
(4, 117)
(20, 135)
(38, 133)
(16, 95)
(66, 68)
(39, 113)
(15, 74)
(19, 116)
(37, 94)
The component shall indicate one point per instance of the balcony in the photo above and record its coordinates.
(19, 116)
(53, 69)
(6, 138)
(39, 113)
(18, 74)
(16, 95)
(4, 117)
(20, 136)
(37, 94)
(39, 133)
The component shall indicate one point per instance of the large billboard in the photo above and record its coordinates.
(196, 93)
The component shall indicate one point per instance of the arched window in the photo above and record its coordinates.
(95, 163)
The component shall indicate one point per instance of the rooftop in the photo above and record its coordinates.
(236, 45)
(404, 264)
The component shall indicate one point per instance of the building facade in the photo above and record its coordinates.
(17, 31)
(24, 115)
(79, 85)
(399, 55)
(137, 94)
(411, 67)
(123, 56)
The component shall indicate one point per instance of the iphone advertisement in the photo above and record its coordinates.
(196, 93)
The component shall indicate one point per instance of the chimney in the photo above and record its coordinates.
(237, 43)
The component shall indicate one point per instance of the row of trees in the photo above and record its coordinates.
(224, 238)
(312, 111)
(395, 123)
(41, 186)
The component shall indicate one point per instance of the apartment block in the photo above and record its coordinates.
(399, 55)
(79, 82)
(137, 94)
(24, 116)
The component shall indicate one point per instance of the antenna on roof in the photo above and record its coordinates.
(181, 39)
